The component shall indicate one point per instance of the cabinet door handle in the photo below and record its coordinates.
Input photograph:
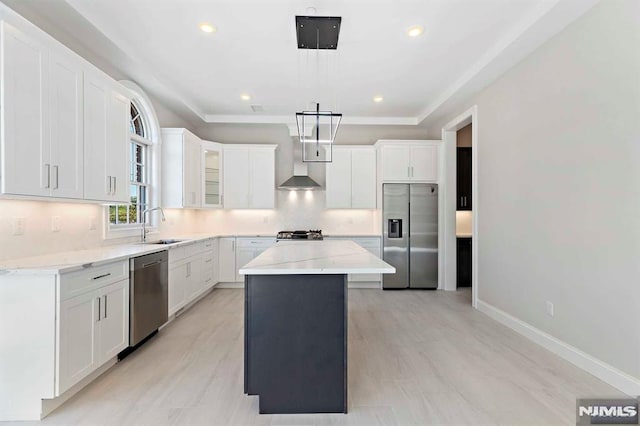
(408, 171)
(188, 270)
(115, 181)
(105, 306)
(109, 179)
(99, 308)
(47, 167)
(55, 169)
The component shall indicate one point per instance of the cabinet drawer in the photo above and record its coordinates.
(259, 243)
(193, 249)
(208, 244)
(79, 282)
(207, 261)
(176, 254)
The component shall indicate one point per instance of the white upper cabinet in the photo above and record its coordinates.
(412, 161)
(249, 176)
(42, 133)
(65, 123)
(181, 169)
(106, 135)
(211, 174)
(67, 140)
(351, 178)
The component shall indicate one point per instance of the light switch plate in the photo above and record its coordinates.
(18, 225)
(549, 308)
(55, 223)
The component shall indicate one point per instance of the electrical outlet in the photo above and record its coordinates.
(549, 308)
(55, 223)
(18, 225)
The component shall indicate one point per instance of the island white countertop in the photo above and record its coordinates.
(316, 257)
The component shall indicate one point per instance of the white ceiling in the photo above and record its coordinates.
(254, 51)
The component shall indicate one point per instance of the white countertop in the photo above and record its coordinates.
(316, 257)
(70, 261)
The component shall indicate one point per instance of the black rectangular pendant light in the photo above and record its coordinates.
(318, 32)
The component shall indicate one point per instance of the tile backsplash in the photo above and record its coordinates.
(31, 228)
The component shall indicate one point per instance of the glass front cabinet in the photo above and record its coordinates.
(211, 174)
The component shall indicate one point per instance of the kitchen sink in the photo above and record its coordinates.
(165, 242)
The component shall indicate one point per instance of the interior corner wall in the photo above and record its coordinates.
(559, 186)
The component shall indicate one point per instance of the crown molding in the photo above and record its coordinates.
(291, 120)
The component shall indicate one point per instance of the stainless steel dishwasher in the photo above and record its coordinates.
(148, 295)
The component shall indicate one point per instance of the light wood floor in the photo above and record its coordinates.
(415, 357)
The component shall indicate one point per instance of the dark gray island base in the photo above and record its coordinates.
(295, 342)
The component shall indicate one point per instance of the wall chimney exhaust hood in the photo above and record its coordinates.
(300, 181)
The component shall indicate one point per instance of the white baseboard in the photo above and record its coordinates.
(605, 372)
(230, 285)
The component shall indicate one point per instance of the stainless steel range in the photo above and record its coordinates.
(312, 234)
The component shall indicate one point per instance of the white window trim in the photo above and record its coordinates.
(153, 128)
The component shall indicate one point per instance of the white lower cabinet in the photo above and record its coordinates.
(249, 249)
(93, 328)
(227, 256)
(177, 284)
(78, 340)
(192, 271)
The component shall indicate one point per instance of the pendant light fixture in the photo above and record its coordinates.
(317, 32)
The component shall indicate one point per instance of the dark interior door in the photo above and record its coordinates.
(463, 179)
(464, 262)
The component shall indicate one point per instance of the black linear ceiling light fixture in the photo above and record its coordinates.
(318, 32)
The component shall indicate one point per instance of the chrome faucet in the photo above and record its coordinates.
(144, 221)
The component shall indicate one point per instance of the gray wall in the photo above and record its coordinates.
(559, 186)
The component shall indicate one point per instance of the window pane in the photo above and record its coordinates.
(133, 193)
(139, 177)
(112, 214)
(142, 195)
(122, 214)
(133, 213)
(139, 151)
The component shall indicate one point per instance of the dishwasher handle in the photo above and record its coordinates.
(146, 265)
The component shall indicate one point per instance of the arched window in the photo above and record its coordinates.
(144, 134)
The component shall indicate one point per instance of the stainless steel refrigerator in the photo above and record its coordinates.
(410, 235)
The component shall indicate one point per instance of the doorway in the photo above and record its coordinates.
(461, 202)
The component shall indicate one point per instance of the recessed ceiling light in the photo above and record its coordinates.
(207, 28)
(378, 99)
(245, 97)
(415, 31)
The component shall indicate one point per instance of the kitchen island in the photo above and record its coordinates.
(295, 354)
